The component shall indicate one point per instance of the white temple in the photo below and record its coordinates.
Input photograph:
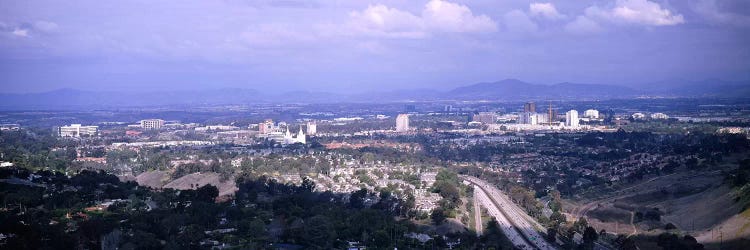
(300, 138)
(280, 133)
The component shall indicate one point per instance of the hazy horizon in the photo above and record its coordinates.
(354, 47)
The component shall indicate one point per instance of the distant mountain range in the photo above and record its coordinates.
(504, 90)
(513, 89)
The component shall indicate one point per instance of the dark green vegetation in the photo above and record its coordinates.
(50, 210)
(740, 180)
(37, 149)
(565, 156)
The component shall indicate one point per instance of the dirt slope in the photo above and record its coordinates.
(196, 180)
(153, 179)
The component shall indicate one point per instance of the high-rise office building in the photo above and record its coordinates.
(402, 123)
(529, 107)
(312, 128)
(448, 108)
(591, 113)
(266, 126)
(152, 123)
(542, 118)
(571, 118)
(485, 117)
(76, 130)
(528, 118)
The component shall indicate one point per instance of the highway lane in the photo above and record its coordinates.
(505, 225)
(512, 213)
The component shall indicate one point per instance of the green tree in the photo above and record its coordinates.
(589, 237)
(437, 216)
(319, 232)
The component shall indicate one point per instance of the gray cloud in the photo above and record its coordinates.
(340, 45)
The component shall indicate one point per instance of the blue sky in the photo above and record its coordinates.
(355, 46)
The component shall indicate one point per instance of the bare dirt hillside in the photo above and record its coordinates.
(196, 180)
(733, 233)
(697, 203)
(153, 179)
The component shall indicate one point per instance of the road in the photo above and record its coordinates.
(635, 229)
(505, 225)
(509, 216)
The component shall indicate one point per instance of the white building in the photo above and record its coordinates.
(281, 133)
(571, 119)
(542, 118)
(76, 130)
(591, 113)
(13, 126)
(300, 138)
(485, 117)
(638, 116)
(659, 116)
(528, 118)
(152, 123)
(402, 123)
(216, 128)
(312, 128)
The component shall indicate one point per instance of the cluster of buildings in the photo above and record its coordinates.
(654, 116)
(347, 179)
(281, 132)
(9, 126)
(484, 117)
(530, 116)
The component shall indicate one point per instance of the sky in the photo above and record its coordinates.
(359, 46)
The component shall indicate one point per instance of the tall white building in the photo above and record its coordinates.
(152, 123)
(76, 130)
(542, 118)
(402, 123)
(591, 113)
(528, 118)
(312, 128)
(571, 118)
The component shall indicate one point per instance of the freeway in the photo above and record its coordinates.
(511, 215)
(505, 225)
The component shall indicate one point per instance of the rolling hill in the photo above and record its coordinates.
(504, 90)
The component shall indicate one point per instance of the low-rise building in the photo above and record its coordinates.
(659, 116)
(152, 123)
(77, 130)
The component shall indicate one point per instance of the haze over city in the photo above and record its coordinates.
(359, 46)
